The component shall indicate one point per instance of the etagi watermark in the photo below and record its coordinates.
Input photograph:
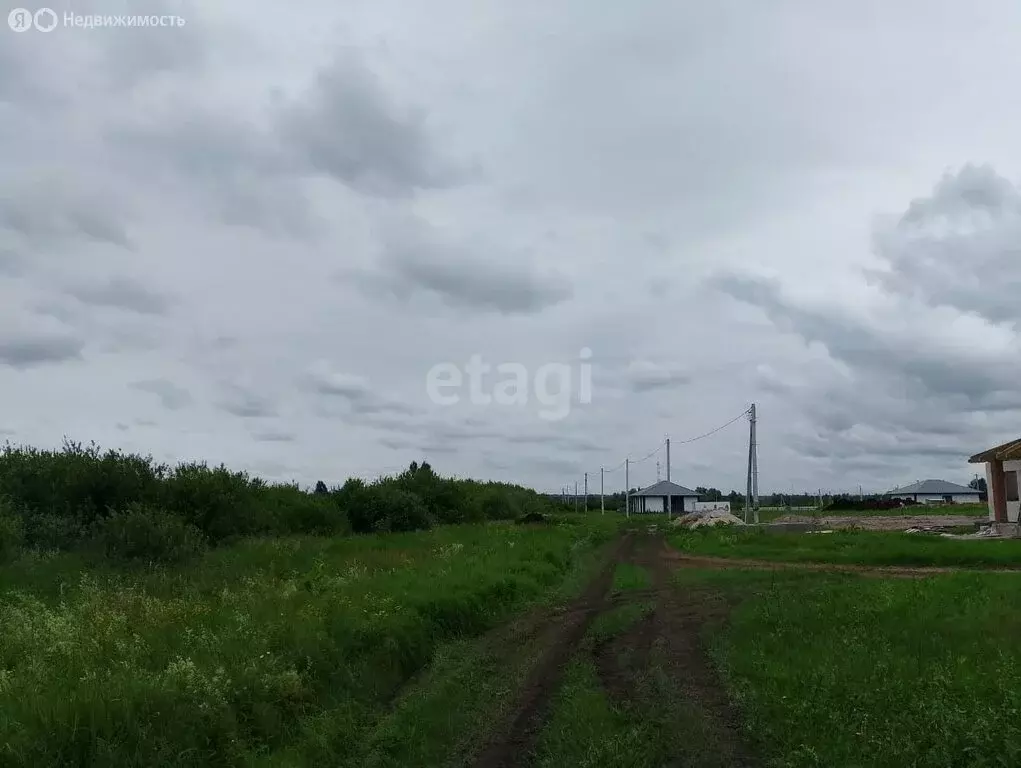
(552, 385)
(46, 20)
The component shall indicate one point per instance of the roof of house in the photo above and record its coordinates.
(933, 487)
(666, 488)
(1005, 452)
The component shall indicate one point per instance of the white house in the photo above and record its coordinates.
(935, 491)
(1003, 463)
(654, 499)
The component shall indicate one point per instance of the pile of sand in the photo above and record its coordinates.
(708, 517)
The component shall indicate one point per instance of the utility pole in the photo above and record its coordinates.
(586, 492)
(576, 496)
(627, 487)
(755, 466)
(657, 470)
(669, 496)
(748, 484)
(602, 500)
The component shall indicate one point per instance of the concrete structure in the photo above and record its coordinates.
(1003, 463)
(711, 506)
(653, 499)
(939, 491)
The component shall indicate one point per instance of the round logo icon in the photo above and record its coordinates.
(45, 19)
(20, 20)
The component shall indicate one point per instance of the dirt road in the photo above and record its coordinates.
(660, 656)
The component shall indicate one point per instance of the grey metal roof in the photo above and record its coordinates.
(665, 488)
(932, 487)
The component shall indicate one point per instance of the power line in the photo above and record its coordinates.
(743, 413)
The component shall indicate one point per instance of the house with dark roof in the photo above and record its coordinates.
(939, 491)
(655, 499)
(1003, 463)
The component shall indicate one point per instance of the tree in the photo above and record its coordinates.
(321, 487)
(978, 484)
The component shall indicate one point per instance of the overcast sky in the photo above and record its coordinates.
(249, 239)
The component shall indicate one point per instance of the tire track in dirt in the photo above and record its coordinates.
(682, 615)
(668, 640)
(513, 740)
(682, 560)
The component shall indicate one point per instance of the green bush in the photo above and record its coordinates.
(12, 533)
(61, 495)
(384, 507)
(500, 506)
(53, 532)
(142, 533)
(294, 511)
(77, 481)
(220, 503)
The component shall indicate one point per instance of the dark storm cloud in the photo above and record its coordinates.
(171, 396)
(416, 260)
(122, 293)
(349, 128)
(32, 350)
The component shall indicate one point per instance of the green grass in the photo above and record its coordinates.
(586, 730)
(283, 651)
(628, 577)
(834, 669)
(862, 547)
(618, 620)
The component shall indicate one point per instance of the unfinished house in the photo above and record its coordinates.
(1002, 466)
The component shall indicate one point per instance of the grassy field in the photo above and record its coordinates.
(282, 651)
(842, 670)
(863, 547)
(766, 514)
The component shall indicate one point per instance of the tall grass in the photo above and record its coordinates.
(282, 651)
(840, 670)
(863, 547)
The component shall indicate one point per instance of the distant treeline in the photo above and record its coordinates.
(127, 506)
(869, 503)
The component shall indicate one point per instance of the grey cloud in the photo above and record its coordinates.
(49, 210)
(245, 175)
(359, 398)
(149, 51)
(245, 403)
(415, 260)
(960, 247)
(12, 264)
(171, 396)
(33, 350)
(647, 376)
(926, 365)
(397, 444)
(348, 128)
(274, 437)
(122, 293)
(557, 442)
